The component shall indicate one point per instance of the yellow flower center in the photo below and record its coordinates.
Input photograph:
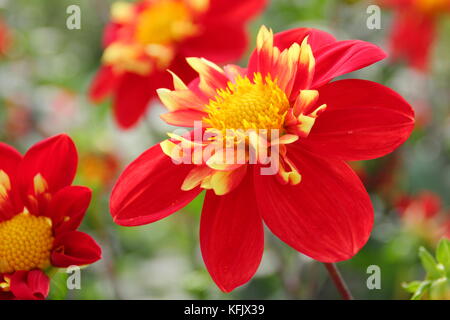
(246, 104)
(165, 22)
(25, 243)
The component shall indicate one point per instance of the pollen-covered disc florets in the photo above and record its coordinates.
(25, 243)
(246, 104)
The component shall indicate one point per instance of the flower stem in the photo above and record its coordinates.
(339, 282)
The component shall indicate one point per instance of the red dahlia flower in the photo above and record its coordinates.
(414, 28)
(148, 37)
(314, 202)
(40, 212)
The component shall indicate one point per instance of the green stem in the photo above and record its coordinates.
(339, 282)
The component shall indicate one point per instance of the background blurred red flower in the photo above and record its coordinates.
(40, 212)
(315, 203)
(424, 215)
(98, 169)
(145, 39)
(414, 29)
(5, 38)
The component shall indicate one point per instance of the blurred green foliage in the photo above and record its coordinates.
(436, 285)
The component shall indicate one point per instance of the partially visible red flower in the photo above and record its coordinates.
(312, 200)
(446, 229)
(424, 215)
(5, 38)
(40, 212)
(145, 39)
(426, 205)
(24, 285)
(18, 118)
(414, 29)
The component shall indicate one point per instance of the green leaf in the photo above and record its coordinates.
(412, 286)
(421, 290)
(58, 287)
(439, 289)
(430, 265)
(443, 253)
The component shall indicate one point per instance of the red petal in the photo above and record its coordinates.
(74, 249)
(67, 208)
(150, 189)
(328, 216)
(9, 163)
(39, 283)
(234, 10)
(103, 83)
(9, 159)
(132, 97)
(232, 236)
(111, 33)
(29, 285)
(363, 120)
(54, 158)
(316, 38)
(342, 57)
(218, 43)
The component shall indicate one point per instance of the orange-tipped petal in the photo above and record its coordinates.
(183, 118)
(178, 84)
(222, 182)
(212, 77)
(180, 99)
(306, 99)
(195, 177)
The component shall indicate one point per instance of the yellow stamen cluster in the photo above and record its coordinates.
(246, 105)
(25, 243)
(165, 22)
